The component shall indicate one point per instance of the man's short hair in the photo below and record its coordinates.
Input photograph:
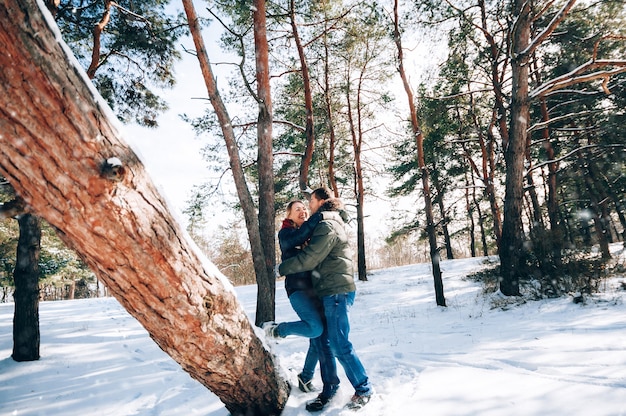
(322, 193)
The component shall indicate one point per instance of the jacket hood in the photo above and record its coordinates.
(332, 204)
(287, 223)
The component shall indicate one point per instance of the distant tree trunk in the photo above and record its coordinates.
(556, 233)
(356, 134)
(308, 103)
(68, 163)
(26, 339)
(419, 139)
(532, 192)
(489, 175)
(26, 276)
(498, 119)
(496, 63)
(71, 291)
(444, 219)
(481, 221)
(332, 142)
(265, 307)
(608, 194)
(597, 202)
(619, 207)
(487, 171)
(360, 214)
(265, 311)
(470, 216)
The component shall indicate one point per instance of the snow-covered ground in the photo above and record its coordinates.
(551, 357)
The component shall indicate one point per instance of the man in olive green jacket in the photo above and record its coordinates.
(329, 256)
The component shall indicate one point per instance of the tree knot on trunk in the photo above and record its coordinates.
(113, 169)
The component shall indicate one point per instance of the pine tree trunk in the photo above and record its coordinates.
(26, 276)
(355, 133)
(444, 219)
(470, 216)
(360, 221)
(556, 232)
(309, 131)
(487, 170)
(419, 140)
(61, 151)
(265, 310)
(332, 139)
(511, 248)
(489, 175)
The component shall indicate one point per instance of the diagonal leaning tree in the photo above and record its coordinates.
(61, 150)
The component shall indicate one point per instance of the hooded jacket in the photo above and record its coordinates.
(327, 254)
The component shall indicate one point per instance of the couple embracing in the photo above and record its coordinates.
(317, 263)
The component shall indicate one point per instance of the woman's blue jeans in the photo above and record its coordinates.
(307, 306)
(336, 308)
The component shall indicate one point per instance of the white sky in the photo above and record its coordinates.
(171, 153)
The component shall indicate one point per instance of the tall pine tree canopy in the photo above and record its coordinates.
(131, 58)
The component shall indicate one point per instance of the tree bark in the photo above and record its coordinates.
(309, 132)
(26, 339)
(444, 218)
(61, 150)
(332, 140)
(356, 136)
(511, 249)
(265, 308)
(470, 216)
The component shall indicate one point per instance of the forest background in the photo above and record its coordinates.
(462, 92)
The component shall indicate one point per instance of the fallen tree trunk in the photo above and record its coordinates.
(61, 150)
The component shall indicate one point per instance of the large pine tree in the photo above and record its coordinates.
(79, 176)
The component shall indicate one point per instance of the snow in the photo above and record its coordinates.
(548, 357)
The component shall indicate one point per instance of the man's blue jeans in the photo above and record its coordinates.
(320, 346)
(336, 308)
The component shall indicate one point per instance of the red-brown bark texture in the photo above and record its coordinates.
(62, 152)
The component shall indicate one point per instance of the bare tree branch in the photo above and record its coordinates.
(97, 31)
(547, 31)
(577, 76)
(577, 150)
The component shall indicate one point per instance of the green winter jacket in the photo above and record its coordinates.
(327, 254)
